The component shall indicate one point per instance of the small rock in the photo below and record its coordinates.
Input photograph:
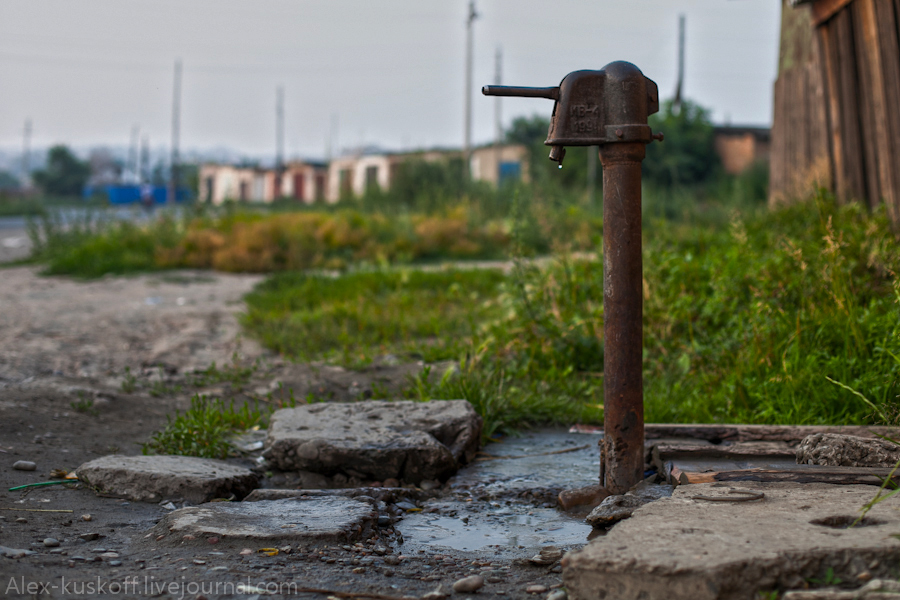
(839, 450)
(197, 561)
(21, 520)
(439, 594)
(429, 485)
(110, 555)
(558, 595)
(86, 517)
(392, 560)
(246, 552)
(384, 520)
(406, 505)
(169, 506)
(24, 465)
(359, 570)
(548, 556)
(212, 540)
(536, 589)
(89, 537)
(51, 542)
(469, 585)
(15, 552)
(286, 549)
(613, 509)
(115, 563)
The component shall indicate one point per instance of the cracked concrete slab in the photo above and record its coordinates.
(303, 521)
(681, 548)
(376, 439)
(155, 478)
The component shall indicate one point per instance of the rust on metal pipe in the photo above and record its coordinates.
(623, 391)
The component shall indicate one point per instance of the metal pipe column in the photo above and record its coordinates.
(623, 303)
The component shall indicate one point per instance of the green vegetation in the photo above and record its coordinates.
(746, 322)
(204, 429)
(65, 174)
(352, 319)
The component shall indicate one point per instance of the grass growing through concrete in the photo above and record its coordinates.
(752, 321)
(204, 429)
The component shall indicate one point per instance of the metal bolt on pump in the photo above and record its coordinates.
(609, 108)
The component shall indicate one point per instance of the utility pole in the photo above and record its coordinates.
(176, 133)
(279, 129)
(144, 160)
(467, 145)
(676, 102)
(26, 155)
(498, 120)
(333, 149)
(133, 158)
(279, 140)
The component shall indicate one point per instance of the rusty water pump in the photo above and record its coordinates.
(609, 108)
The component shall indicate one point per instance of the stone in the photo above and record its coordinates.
(24, 465)
(152, 478)
(469, 585)
(838, 450)
(613, 509)
(439, 594)
(547, 556)
(86, 517)
(51, 542)
(15, 552)
(877, 589)
(558, 595)
(536, 589)
(380, 440)
(682, 548)
(302, 521)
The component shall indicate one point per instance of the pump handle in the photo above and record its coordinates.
(551, 93)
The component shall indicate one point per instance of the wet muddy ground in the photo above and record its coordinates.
(66, 398)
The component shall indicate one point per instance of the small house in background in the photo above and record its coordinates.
(348, 176)
(741, 147)
(836, 120)
(499, 164)
(303, 181)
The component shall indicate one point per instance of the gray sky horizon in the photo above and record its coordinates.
(390, 72)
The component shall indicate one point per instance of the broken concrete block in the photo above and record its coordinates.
(838, 450)
(303, 521)
(155, 478)
(376, 439)
(613, 509)
(682, 548)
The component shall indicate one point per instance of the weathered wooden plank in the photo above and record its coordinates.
(670, 448)
(822, 10)
(867, 95)
(777, 159)
(849, 107)
(809, 474)
(832, 82)
(888, 21)
(748, 433)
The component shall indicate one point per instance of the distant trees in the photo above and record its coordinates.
(688, 154)
(64, 174)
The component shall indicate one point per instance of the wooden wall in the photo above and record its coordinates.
(837, 106)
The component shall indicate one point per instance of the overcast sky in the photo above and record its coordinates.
(390, 72)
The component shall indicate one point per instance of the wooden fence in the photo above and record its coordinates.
(837, 102)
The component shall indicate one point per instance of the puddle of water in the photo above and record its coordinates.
(486, 511)
(492, 532)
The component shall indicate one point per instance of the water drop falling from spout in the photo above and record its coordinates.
(560, 166)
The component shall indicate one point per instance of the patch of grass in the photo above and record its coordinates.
(203, 430)
(129, 381)
(353, 318)
(236, 374)
(84, 405)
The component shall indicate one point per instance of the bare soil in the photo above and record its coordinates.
(94, 368)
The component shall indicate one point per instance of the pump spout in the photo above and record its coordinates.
(551, 93)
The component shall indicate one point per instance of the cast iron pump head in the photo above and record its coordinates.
(594, 107)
